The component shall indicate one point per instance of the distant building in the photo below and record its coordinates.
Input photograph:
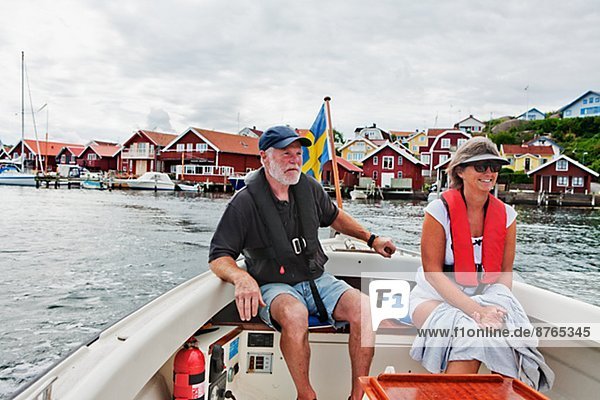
(373, 133)
(356, 149)
(470, 125)
(140, 153)
(391, 162)
(441, 147)
(47, 151)
(563, 174)
(401, 136)
(4, 151)
(100, 157)
(586, 105)
(532, 115)
(415, 141)
(348, 172)
(69, 154)
(251, 132)
(524, 157)
(210, 156)
(545, 141)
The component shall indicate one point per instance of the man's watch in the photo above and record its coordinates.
(372, 240)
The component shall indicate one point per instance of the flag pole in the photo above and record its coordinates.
(336, 176)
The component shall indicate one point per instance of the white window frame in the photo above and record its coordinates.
(189, 147)
(375, 160)
(577, 181)
(180, 147)
(426, 159)
(559, 164)
(387, 162)
(400, 160)
(445, 143)
(374, 175)
(201, 147)
(399, 174)
(443, 158)
(461, 141)
(91, 157)
(559, 179)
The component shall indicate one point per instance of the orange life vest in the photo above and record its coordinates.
(494, 236)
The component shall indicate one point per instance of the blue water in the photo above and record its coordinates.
(74, 261)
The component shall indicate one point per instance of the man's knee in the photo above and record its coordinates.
(352, 307)
(290, 313)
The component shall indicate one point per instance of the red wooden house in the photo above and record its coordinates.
(47, 150)
(69, 154)
(562, 174)
(100, 157)
(210, 156)
(140, 153)
(440, 148)
(348, 172)
(388, 162)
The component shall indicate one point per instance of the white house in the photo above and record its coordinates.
(586, 105)
(470, 125)
(250, 132)
(532, 115)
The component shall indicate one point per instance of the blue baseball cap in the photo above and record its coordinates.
(280, 137)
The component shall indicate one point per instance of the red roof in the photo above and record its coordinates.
(105, 150)
(348, 165)
(76, 150)
(50, 149)
(519, 149)
(230, 143)
(160, 139)
(437, 131)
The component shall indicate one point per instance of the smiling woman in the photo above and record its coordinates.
(467, 251)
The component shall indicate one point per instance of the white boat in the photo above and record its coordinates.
(198, 188)
(133, 359)
(358, 194)
(10, 174)
(92, 185)
(151, 181)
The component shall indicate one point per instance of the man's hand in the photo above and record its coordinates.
(247, 297)
(384, 246)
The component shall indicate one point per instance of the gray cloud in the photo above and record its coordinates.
(225, 65)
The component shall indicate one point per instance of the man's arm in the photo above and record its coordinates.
(344, 223)
(247, 291)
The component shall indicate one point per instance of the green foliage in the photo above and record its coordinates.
(508, 176)
(338, 137)
(580, 137)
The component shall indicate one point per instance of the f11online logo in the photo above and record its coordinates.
(389, 299)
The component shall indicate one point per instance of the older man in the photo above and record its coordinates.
(274, 222)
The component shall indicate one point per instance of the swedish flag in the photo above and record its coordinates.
(315, 156)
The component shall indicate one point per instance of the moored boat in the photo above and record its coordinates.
(151, 181)
(134, 358)
(237, 181)
(10, 174)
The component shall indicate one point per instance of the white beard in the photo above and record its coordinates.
(278, 173)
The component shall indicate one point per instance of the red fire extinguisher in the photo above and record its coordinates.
(188, 372)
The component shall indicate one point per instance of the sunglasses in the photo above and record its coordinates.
(483, 166)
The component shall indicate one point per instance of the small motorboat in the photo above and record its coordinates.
(152, 181)
(137, 357)
(10, 174)
(92, 185)
(198, 188)
(358, 194)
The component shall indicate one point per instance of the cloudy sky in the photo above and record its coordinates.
(107, 68)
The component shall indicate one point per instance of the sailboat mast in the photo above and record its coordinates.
(22, 110)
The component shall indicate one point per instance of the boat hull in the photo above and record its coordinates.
(17, 180)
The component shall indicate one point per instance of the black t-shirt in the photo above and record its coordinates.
(242, 228)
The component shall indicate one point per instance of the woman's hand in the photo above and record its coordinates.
(490, 316)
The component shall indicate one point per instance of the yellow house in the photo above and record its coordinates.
(526, 158)
(415, 141)
(356, 149)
